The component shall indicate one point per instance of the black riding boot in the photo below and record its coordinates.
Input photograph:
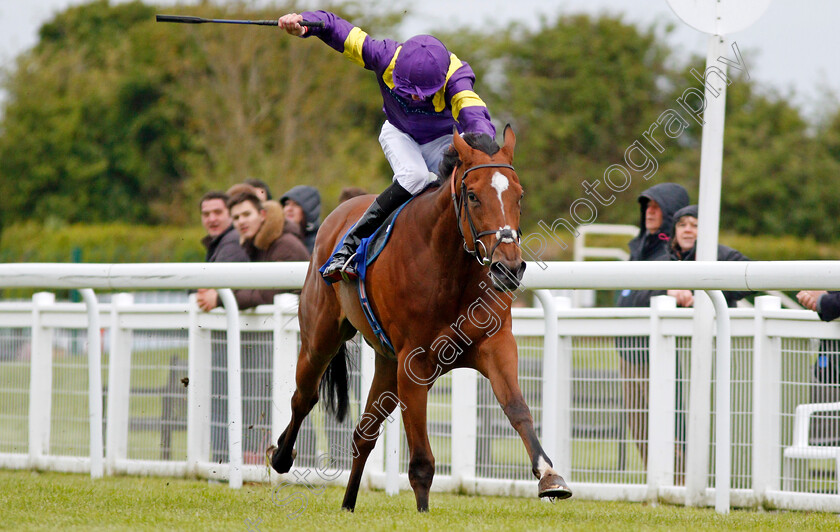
(341, 266)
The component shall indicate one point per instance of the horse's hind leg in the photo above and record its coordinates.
(321, 339)
(382, 400)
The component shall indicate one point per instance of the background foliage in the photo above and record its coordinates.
(114, 119)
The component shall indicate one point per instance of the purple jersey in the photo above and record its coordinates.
(426, 120)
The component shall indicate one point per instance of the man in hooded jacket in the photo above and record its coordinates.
(657, 206)
(302, 205)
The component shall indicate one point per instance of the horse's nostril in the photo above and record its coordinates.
(500, 270)
(520, 271)
(508, 277)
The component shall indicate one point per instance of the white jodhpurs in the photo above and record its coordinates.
(414, 164)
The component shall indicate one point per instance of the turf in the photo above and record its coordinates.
(54, 501)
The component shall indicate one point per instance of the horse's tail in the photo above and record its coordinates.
(335, 385)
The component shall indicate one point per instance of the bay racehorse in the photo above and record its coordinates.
(442, 290)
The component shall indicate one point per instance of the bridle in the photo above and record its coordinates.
(504, 235)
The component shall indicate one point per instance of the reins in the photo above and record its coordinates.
(503, 234)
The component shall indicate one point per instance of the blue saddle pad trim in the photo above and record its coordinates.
(367, 252)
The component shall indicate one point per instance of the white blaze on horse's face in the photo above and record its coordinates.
(500, 183)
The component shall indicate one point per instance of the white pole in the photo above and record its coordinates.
(97, 463)
(550, 396)
(711, 161)
(557, 275)
(723, 408)
(234, 387)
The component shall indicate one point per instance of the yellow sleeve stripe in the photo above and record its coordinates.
(465, 99)
(353, 46)
(388, 75)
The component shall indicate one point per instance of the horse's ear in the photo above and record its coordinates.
(464, 150)
(510, 142)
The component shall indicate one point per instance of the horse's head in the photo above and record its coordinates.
(486, 193)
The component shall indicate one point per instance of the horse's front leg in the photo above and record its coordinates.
(413, 386)
(497, 360)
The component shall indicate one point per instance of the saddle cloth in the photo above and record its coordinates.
(367, 252)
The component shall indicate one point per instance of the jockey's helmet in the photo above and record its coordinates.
(421, 67)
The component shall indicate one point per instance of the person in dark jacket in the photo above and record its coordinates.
(827, 366)
(684, 247)
(657, 206)
(222, 240)
(302, 205)
(825, 304)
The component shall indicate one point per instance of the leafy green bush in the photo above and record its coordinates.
(103, 243)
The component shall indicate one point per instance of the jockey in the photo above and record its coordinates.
(426, 91)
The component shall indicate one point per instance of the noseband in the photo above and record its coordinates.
(504, 235)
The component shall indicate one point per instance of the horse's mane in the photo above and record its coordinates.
(478, 141)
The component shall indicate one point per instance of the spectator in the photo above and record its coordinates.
(222, 244)
(683, 247)
(263, 192)
(350, 192)
(825, 304)
(658, 205)
(827, 366)
(266, 236)
(222, 240)
(302, 205)
(426, 92)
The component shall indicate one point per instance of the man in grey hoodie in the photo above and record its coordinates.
(302, 205)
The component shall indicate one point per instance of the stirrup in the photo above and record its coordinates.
(343, 274)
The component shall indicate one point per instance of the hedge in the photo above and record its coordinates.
(106, 243)
(116, 243)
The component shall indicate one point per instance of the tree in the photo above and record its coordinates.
(113, 117)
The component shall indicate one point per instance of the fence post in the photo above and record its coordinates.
(119, 385)
(40, 381)
(699, 423)
(464, 424)
(199, 372)
(234, 380)
(556, 389)
(94, 350)
(285, 361)
(767, 364)
(661, 399)
(723, 404)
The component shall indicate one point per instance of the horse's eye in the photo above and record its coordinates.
(472, 197)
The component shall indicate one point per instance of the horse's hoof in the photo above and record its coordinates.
(276, 462)
(554, 488)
